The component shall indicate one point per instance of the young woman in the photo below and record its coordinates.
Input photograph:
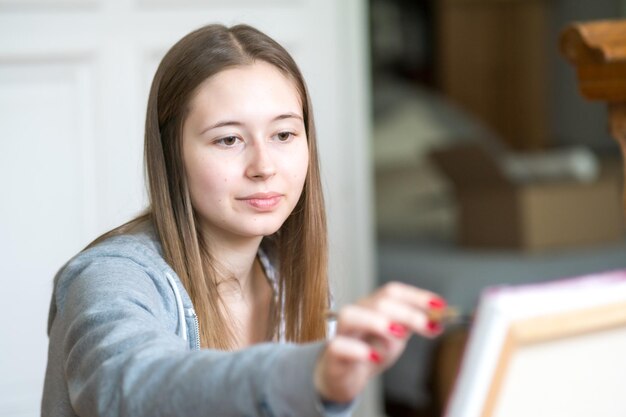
(215, 301)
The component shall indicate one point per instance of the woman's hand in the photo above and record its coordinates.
(371, 335)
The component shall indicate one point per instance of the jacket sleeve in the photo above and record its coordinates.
(121, 359)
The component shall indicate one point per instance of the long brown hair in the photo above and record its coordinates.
(299, 246)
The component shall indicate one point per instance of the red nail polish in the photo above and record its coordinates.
(437, 303)
(375, 356)
(433, 326)
(397, 330)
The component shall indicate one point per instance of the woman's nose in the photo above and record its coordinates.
(260, 162)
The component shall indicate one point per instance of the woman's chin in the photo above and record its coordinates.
(261, 230)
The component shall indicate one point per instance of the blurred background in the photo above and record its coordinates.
(456, 154)
(489, 167)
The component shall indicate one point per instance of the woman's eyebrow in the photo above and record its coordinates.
(221, 124)
(239, 124)
(288, 116)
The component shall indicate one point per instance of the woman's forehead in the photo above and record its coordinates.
(259, 79)
(258, 91)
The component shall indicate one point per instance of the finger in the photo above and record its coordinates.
(361, 321)
(413, 296)
(412, 315)
(410, 318)
(349, 349)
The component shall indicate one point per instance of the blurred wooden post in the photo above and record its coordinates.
(598, 51)
(492, 62)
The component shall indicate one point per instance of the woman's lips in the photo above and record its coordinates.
(262, 201)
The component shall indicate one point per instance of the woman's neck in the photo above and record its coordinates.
(236, 257)
(247, 297)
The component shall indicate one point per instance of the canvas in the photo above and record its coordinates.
(551, 349)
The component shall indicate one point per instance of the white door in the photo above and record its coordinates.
(74, 77)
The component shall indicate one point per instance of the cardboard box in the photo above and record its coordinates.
(496, 213)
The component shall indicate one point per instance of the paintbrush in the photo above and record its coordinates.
(443, 316)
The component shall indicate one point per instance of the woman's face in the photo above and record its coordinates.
(245, 151)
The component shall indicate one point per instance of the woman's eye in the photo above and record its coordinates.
(284, 136)
(228, 141)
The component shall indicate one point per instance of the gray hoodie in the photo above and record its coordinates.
(124, 342)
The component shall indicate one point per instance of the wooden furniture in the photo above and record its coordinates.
(598, 52)
(492, 61)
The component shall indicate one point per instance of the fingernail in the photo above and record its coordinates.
(397, 330)
(437, 303)
(374, 356)
(433, 326)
